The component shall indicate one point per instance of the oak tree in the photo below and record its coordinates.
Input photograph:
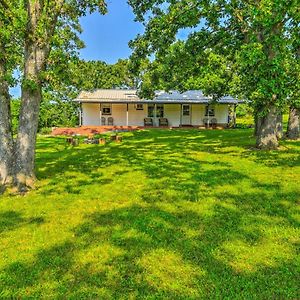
(254, 35)
(46, 27)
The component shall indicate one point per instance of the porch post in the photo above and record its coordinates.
(191, 114)
(180, 115)
(127, 115)
(80, 115)
(208, 116)
(234, 116)
(100, 114)
(228, 115)
(155, 112)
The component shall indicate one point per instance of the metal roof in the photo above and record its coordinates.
(193, 96)
(106, 94)
(162, 97)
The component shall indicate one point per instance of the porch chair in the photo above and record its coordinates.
(110, 121)
(163, 122)
(148, 122)
(214, 123)
(103, 121)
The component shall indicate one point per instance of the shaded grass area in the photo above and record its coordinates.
(167, 214)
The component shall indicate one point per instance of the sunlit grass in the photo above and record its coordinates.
(167, 214)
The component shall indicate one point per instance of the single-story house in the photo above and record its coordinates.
(122, 107)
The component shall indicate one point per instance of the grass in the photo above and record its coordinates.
(167, 214)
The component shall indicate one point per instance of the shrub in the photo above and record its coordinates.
(243, 110)
(45, 130)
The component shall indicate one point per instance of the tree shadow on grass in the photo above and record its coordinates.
(146, 251)
(277, 204)
(288, 157)
(48, 267)
(164, 156)
(158, 154)
(10, 220)
(139, 147)
(88, 158)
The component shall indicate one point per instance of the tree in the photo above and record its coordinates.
(90, 75)
(58, 110)
(184, 67)
(254, 35)
(293, 131)
(6, 138)
(47, 26)
(10, 35)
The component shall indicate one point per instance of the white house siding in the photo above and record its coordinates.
(118, 114)
(198, 112)
(221, 113)
(136, 117)
(90, 114)
(172, 113)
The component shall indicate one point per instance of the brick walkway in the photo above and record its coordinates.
(89, 130)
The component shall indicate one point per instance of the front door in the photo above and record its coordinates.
(186, 114)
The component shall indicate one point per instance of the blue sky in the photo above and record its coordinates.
(106, 37)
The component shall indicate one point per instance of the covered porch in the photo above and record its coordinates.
(166, 109)
(157, 114)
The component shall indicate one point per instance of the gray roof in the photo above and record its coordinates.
(130, 96)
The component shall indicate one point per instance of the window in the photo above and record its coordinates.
(159, 110)
(150, 110)
(185, 110)
(209, 112)
(106, 109)
(139, 107)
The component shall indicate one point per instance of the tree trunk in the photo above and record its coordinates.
(36, 51)
(29, 116)
(266, 137)
(257, 123)
(6, 137)
(293, 131)
(279, 127)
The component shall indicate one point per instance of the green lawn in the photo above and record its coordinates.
(167, 214)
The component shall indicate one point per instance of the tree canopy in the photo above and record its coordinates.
(255, 38)
(89, 75)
